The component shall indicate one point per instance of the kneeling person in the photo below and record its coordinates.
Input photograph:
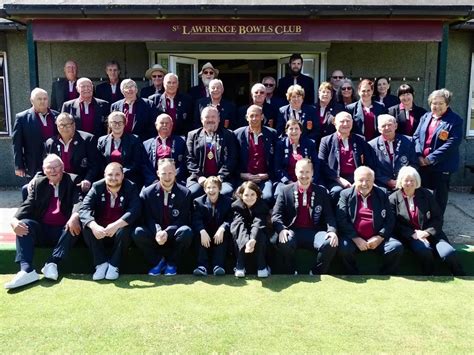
(47, 217)
(166, 234)
(303, 218)
(109, 209)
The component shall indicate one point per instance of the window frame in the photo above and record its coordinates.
(6, 99)
(470, 107)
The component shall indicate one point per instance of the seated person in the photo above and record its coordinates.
(108, 212)
(419, 223)
(365, 222)
(303, 218)
(166, 234)
(340, 154)
(47, 217)
(212, 215)
(270, 113)
(248, 228)
(256, 144)
(392, 152)
(211, 152)
(289, 151)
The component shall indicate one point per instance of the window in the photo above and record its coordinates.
(470, 107)
(5, 125)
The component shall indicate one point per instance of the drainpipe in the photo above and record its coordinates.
(442, 58)
(32, 56)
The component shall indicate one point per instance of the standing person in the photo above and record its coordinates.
(178, 106)
(166, 235)
(270, 87)
(139, 111)
(248, 228)
(212, 215)
(47, 217)
(156, 74)
(109, 210)
(64, 89)
(408, 114)
(90, 113)
(419, 223)
(437, 141)
(327, 109)
(365, 222)
(256, 144)
(31, 129)
(207, 73)
(392, 152)
(212, 151)
(110, 89)
(346, 94)
(269, 112)
(336, 79)
(382, 93)
(303, 218)
(295, 77)
(365, 111)
(77, 149)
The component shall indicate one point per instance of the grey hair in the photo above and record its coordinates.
(408, 171)
(444, 93)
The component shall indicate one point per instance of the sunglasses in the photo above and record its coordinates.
(268, 85)
(346, 88)
(338, 77)
(208, 72)
(157, 76)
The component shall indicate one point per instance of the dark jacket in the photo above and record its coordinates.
(101, 111)
(203, 213)
(184, 111)
(104, 91)
(270, 116)
(227, 113)
(402, 118)
(327, 127)
(248, 222)
(145, 115)
(308, 117)
(59, 93)
(357, 112)
(306, 82)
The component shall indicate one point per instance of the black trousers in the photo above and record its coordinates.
(259, 251)
(438, 182)
(216, 251)
(119, 244)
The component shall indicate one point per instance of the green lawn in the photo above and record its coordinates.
(282, 314)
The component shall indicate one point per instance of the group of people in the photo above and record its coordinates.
(339, 174)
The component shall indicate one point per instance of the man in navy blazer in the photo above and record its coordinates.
(156, 74)
(256, 144)
(365, 222)
(165, 145)
(207, 73)
(166, 234)
(270, 113)
(437, 141)
(64, 89)
(211, 151)
(392, 152)
(303, 218)
(90, 113)
(31, 129)
(110, 89)
(272, 98)
(294, 76)
(178, 106)
(139, 111)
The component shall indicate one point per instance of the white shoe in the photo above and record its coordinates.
(100, 271)
(50, 271)
(22, 278)
(263, 273)
(239, 273)
(112, 273)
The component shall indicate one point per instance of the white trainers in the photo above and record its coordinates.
(112, 273)
(50, 271)
(22, 278)
(100, 271)
(239, 273)
(263, 273)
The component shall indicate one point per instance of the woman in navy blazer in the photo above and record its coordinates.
(382, 93)
(419, 222)
(327, 109)
(408, 115)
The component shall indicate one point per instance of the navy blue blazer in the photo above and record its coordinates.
(322, 215)
(277, 102)
(145, 114)
(227, 112)
(132, 155)
(282, 157)
(184, 111)
(430, 218)
(269, 141)
(388, 101)
(95, 201)
(37, 202)
(402, 118)
(203, 213)
(60, 93)
(308, 116)
(444, 155)
(28, 144)
(329, 155)
(179, 207)
(197, 92)
(178, 153)
(303, 80)
(270, 115)
(84, 162)
(104, 91)
(147, 91)
(346, 213)
(331, 111)
(226, 154)
(403, 155)
(357, 112)
(101, 111)
(248, 222)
